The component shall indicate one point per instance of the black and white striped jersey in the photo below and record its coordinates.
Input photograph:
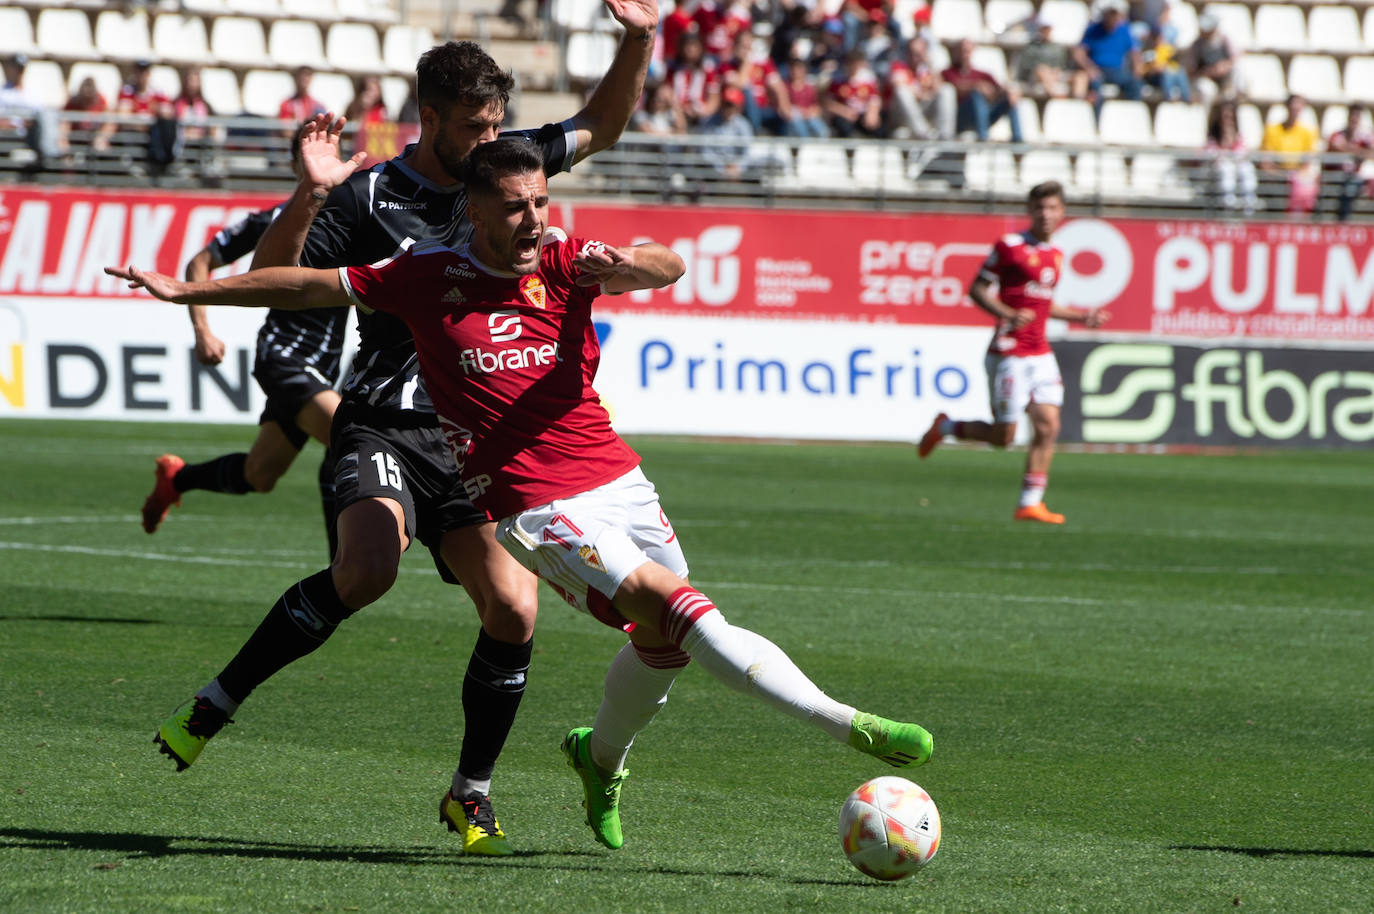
(374, 215)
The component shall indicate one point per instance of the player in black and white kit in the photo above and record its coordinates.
(297, 365)
(396, 479)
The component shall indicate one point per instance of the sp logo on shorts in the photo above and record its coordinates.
(590, 557)
(504, 326)
(533, 288)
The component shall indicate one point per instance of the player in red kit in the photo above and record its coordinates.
(1022, 370)
(504, 336)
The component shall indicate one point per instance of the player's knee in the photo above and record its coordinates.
(261, 475)
(508, 614)
(1004, 434)
(362, 578)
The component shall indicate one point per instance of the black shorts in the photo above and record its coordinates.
(289, 385)
(411, 466)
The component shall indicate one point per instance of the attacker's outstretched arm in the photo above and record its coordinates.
(628, 269)
(293, 288)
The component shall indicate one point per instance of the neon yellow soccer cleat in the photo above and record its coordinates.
(472, 817)
(601, 798)
(900, 745)
(185, 733)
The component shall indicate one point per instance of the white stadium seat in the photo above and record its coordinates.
(1180, 125)
(576, 15)
(353, 46)
(1155, 175)
(1068, 17)
(64, 33)
(323, 10)
(1263, 77)
(265, 90)
(395, 91)
(1280, 27)
(402, 46)
(822, 165)
(1369, 27)
(1334, 117)
(1315, 77)
(589, 54)
(1250, 123)
(1183, 16)
(1233, 21)
(295, 42)
(123, 36)
(1041, 165)
(991, 169)
(165, 79)
(880, 165)
(44, 79)
(1001, 15)
(991, 60)
(238, 40)
(181, 38)
(1125, 123)
(16, 32)
(1359, 78)
(951, 20)
(261, 9)
(220, 87)
(368, 10)
(1334, 29)
(1069, 120)
(1101, 173)
(1029, 116)
(335, 90)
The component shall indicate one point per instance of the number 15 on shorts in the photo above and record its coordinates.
(388, 470)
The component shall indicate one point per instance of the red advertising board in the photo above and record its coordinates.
(1161, 278)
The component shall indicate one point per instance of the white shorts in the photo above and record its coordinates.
(1020, 380)
(586, 545)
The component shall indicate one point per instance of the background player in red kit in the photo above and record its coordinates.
(1022, 370)
(504, 335)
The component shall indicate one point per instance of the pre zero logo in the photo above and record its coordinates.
(504, 326)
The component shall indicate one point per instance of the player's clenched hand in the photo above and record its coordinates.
(635, 14)
(599, 262)
(1096, 317)
(1022, 317)
(321, 162)
(209, 349)
(159, 284)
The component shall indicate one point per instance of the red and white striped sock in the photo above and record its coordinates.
(1033, 488)
(637, 685)
(749, 663)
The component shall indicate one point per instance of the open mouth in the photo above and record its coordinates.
(527, 247)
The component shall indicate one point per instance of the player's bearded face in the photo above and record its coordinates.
(511, 223)
(458, 131)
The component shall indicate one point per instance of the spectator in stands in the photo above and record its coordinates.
(138, 97)
(765, 93)
(854, 104)
(695, 81)
(659, 113)
(87, 98)
(1293, 146)
(1162, 70)
(982, 101)
(301, 106)
(190, 107)
(729, 156)
(805, 117)
(367, 107)
(919, 105)
(1043, 67)
(1232, 171)
(1110, 54)
(1147, 14)
(1345, 179)
(857, 17)
(28, 117)
(1211, 62)
(718, 23)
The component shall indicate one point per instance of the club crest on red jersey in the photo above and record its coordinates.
(533, 289)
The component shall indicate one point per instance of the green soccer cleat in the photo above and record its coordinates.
(601, 797)
(900, 745)
(472, 817)
(185, 733)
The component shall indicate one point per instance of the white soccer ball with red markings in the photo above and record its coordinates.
(890, 828)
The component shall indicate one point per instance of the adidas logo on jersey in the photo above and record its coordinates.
(454, 295)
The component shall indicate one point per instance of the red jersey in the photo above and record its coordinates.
(132, 101)
(300, 109)
(509, 362)
(856, 91)
(1026, 270)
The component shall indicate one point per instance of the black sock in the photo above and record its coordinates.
(300, 621)
(331, 509)
(492, 690)
(223, 474)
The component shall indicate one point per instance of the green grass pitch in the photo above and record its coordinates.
(1166, 705)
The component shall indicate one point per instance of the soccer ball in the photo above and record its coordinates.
(889, 828)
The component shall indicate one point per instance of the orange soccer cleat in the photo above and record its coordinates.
(164, 493)
(1038, 512)
(931, 438)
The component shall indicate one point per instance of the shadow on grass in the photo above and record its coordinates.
(89, 619)
(143, 846)
(1272, 851)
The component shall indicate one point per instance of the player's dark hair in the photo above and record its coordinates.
(488, 163)
(1045, 189)
(460, 72)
